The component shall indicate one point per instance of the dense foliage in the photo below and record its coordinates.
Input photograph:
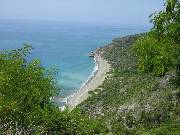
(25, 106)
(159, 49)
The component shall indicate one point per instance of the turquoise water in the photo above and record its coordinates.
(65, 45)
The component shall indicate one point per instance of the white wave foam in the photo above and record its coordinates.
(96, 68)
(92, 74)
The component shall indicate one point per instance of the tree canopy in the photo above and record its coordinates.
(26, 89)
(159, 49)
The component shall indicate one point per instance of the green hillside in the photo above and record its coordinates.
(131, 102)
(141, 94)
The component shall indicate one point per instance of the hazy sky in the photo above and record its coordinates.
(96, 11)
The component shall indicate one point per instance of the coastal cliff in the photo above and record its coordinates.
(129, 101)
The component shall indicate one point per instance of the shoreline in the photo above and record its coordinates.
(94, 72)
(94, 81)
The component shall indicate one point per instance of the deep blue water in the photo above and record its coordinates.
(65, 45)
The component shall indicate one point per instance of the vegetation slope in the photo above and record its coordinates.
(141, 94)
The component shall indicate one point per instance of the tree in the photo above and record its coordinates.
(158, 50)
(25, 92)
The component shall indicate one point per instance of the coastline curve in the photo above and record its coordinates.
(94, 81)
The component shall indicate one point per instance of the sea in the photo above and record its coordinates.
(63, 45)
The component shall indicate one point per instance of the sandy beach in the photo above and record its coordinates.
(92, 84)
